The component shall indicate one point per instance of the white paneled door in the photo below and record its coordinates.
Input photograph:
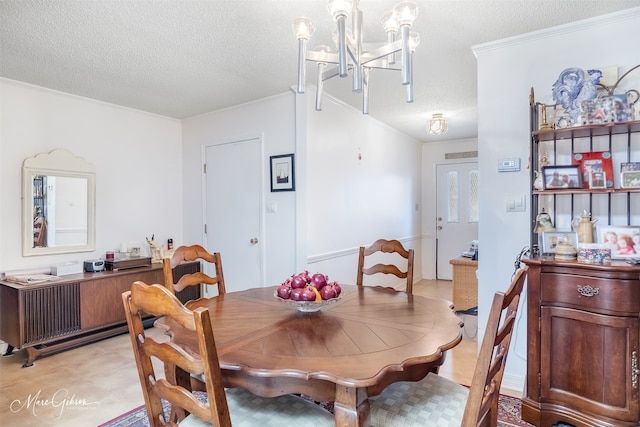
(456, 213)
(233, 191)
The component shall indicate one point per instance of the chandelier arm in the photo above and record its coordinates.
(327, 58)
(380, 52)
(342, 45)
(356, 29)
(410, 85)
(319, 86)
(365, 90)
(302, 50)
(406, 54)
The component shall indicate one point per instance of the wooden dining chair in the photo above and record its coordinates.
(193, 253)
(216, 406)
(436, 400)
(386, 246)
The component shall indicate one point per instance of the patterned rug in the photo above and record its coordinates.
(508, 415)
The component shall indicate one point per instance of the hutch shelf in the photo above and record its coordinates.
(583, 320)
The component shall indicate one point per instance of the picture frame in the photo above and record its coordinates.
(562, 177)
(595, 161)
(597, 180)
(629, 166)
(550, 240)
(597, 111)
(282, 173)
(630, 179)
(624, 241)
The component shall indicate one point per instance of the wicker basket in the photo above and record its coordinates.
(465, 283)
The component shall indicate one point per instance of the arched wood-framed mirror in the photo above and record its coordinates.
(58, 204)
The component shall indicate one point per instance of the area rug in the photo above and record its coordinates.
(508, 415)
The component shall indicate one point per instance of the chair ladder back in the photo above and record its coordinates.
(386, 246)
(193, 253)
(482, 403)
(176, 388)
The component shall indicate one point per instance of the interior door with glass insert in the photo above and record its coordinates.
(456, 213)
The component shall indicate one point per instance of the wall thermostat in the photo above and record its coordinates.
(509, 165)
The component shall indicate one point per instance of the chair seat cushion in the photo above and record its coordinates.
(248, 410)
(434, 401)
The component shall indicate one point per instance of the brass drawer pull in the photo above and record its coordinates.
(588, 291)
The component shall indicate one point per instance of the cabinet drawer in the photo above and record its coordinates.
(607, 295)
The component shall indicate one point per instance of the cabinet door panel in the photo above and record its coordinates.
(102, 299)
(587, 361)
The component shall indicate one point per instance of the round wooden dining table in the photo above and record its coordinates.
(346, 352)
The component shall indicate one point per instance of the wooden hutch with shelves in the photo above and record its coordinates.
(81, 308)
(583, 320)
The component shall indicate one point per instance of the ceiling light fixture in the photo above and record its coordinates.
(437, 125)
(351, 54)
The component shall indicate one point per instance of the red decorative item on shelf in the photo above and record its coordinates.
(595, 162)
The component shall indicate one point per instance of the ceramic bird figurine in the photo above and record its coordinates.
(574, 86)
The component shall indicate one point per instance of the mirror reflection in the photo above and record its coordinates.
(59, 201)
(59, 211)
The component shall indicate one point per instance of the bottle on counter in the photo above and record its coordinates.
(170, 244)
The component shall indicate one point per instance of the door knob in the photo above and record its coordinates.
(254, 240)
(439, 218)
(439, 227)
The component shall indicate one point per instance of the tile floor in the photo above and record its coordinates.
(90, 385)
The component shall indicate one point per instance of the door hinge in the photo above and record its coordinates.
(205, 229)
(204, 168)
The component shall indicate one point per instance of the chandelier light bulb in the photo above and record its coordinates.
(338, 8)
(405, 12)
(303, 28)
(389, 22)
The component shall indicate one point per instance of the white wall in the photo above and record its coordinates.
(507, 70)
(339, 202)
(363, 183)
(273, 120)
(136, 155)
(433, 154)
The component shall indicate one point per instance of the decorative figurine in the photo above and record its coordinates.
(156, 251)
(543, 223)
(574, 86)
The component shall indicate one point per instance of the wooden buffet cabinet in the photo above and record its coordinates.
(79, 309)
(583, 334)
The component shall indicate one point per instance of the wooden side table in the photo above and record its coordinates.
(465, 283)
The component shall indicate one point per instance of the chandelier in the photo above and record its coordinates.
(437, 125)
(351, 54)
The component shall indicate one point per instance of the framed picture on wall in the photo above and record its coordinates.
(282, 173)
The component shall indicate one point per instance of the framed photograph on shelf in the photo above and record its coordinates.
(282, 173)
(595, 161)
(550, 240)
(597, 111)
(624, 241)
(629, 166)
(562, 177)
(597, 180)
(630, 179)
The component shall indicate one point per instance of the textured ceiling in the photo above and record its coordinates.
(180, 58)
